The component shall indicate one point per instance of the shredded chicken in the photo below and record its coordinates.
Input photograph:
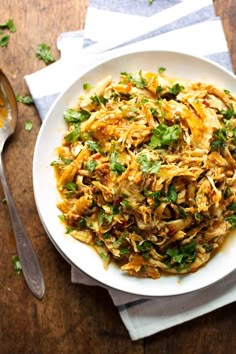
(146, 172)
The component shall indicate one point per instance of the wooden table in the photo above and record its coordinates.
(73, 318)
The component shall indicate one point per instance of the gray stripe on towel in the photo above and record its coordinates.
(201, 15)
(132, 304)
(133, 7)
(44, 103)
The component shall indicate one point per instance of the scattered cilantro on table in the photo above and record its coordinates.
(4, 40)
(8, 25)
(24, 99)
(16, 264)
(28, 125)
(44, 53)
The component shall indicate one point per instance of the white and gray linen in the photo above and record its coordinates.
(112, 26)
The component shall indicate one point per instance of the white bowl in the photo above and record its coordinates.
(82, 256)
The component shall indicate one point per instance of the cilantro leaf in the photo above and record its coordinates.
(72, 116)
(16, 264)
(43, 53)
(99, 100)
(161, 69)
(156, 196)
(91, 165)
(148, 166)
(232, 220)
(137, 79)
(172, 195)
(180, 257)
(87, 86)
(9, 24)
(124, 251)
(219, 139)
(145, 246)
(228, 113)
(93, 146)
(24, 99)
(71, 186)
(176, 89)
(4, 40)
(102, 216)
(232, 207)
(164, 135)
(61, 161)
(115, 166)
(73, 135)
(28, 125)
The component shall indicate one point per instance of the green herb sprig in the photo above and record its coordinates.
(44, 53)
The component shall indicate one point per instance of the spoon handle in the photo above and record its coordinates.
(28, 259)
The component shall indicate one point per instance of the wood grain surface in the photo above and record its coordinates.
(73, 318)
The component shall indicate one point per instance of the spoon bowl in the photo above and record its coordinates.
(8, 110)
(28, 259)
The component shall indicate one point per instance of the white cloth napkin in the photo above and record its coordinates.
(189, 26)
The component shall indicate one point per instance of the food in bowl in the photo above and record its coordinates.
(146, 172)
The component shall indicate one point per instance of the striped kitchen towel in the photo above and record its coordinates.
(188, 26)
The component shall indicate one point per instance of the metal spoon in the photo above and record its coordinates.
(28, 259)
